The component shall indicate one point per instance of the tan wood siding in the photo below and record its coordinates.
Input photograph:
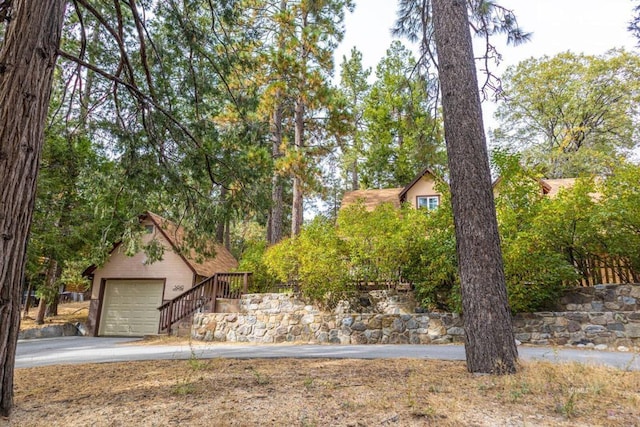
(425, 186)
(179, 277)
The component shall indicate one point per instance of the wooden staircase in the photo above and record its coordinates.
(203, 297)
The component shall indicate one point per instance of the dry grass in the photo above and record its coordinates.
(289, 392)
(70, 312)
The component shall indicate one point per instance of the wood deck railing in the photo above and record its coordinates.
(606, 270)
(203, 296)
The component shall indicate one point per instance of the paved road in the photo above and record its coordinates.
(76, 350)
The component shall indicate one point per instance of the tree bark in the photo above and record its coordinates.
(27, 300)
(49, 284)
(42, 311)
(355, 179)
(27, 61)
(297, 205)
(490, 345)
(275, 224)
(222, 222)
(276, 213)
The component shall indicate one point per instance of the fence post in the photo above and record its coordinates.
(215, 293)
(170, 317)
(245, 287)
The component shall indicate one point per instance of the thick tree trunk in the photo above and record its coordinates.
(490, 345)
(42, 311)
(27, 61)
(276, 218)
(297, 206)
(275, 224)
(49, 284)
(27, 300)
(276, 215)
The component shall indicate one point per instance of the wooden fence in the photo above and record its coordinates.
(606, 270)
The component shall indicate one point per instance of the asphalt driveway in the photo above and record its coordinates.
(78, 350)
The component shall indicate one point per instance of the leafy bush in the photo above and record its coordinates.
(434, 271)
(534, 269)
(546, 242)
(620, 201)
(378, 243)
(315, 261)
(253, 260)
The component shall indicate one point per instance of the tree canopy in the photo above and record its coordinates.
(571, 114)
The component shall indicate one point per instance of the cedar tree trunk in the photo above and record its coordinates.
(490, 345)
(27, 61)
(275, 226)
(296, 206)
(276, 214)
(27, 300)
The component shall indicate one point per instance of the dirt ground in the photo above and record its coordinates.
(289, 392)
(70, 312)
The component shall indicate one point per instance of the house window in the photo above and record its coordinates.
(148, 229)
(428, 202)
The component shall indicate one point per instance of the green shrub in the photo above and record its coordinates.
(314, 261)
(545, 242)
(253, 260)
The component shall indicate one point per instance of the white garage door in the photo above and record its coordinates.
(130, 307)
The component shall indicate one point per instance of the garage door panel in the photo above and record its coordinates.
(130, 307)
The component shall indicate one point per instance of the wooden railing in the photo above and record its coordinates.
(203, 296)
(606, 270)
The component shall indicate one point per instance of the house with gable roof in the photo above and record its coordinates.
(127, 291)
(419, 193)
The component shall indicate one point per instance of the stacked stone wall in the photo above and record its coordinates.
(277, 318)
(601, 298)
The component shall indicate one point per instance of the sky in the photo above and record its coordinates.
(581, 26)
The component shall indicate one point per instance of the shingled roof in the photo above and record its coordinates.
(555, 185)
(223, 261)
(372, 198)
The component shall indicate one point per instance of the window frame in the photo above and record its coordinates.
(428, 198)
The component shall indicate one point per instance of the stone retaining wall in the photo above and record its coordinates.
(53, 331)
(314, 327)
(276, 318)
(604, 329)
(601, 298)
(377, 302)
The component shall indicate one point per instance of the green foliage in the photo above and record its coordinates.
(314, 261)
(401, 134)
(354, 87)
(253, 260)
(573, 113)
(71, 276)
(570, 224)
(547, 241)
(620, 196)
(435, 270)
(535, 269)
(383, 245)
(376, 241)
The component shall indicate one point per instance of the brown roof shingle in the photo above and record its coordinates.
(556, 184)
(223, 261)
(372, 198)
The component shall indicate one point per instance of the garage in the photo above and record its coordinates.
(127, 290)
(130, 307)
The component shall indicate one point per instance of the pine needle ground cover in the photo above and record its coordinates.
(317, 392)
